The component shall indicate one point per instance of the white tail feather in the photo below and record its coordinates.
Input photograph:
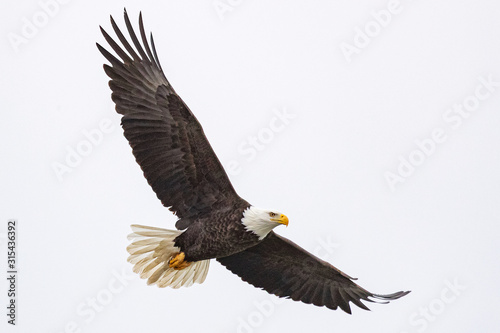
(151, 250)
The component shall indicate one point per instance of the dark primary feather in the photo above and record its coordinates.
(166, 138)
(282, 268)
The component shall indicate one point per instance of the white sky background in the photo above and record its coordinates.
(325, 168)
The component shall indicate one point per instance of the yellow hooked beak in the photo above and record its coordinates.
(282, 219)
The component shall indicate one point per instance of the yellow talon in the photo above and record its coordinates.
(177, 261)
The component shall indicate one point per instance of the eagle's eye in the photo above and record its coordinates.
(272, 214)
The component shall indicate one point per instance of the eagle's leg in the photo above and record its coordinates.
(177, 261)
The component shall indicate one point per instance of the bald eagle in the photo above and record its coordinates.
(214, 222)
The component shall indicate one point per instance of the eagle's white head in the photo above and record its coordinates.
(261, 221)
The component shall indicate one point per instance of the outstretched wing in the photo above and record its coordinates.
(166, 138)
(284, 269)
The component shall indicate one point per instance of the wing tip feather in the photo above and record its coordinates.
(390, 297)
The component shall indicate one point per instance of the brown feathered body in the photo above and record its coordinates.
(219, 234)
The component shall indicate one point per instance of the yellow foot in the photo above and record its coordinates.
(177, 261)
